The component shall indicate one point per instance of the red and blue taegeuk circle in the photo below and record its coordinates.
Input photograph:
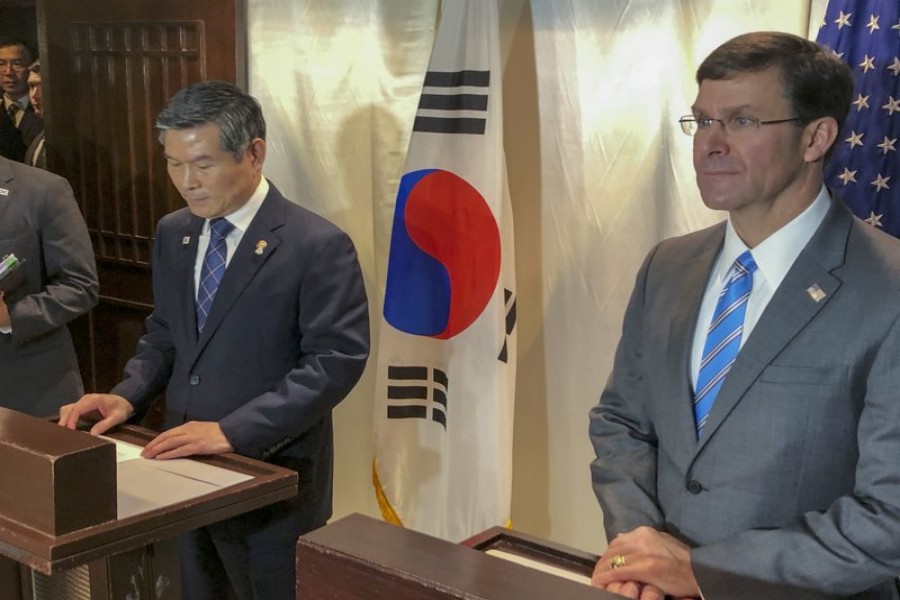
(444, 260)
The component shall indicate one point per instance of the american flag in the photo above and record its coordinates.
(864, 169)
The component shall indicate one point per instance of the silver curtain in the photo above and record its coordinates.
(599, 172)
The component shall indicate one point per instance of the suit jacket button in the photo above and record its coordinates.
(195, 380)
(694, 487)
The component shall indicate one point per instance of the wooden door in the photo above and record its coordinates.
(109, 67)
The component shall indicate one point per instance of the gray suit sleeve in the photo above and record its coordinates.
(854, 544)
(625, 444)
(69, 273)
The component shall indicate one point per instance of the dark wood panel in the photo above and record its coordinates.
(116, 330)
(110, 66)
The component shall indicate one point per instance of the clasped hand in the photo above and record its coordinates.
(646, 564)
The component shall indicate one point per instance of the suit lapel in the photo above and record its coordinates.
(8, 187)
(184, 275)
(689, 294)
(256, 246)
(791, 309)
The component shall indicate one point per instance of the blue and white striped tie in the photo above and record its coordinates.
(723, 338)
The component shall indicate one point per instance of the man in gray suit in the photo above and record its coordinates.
(40, 223)
(772, 472)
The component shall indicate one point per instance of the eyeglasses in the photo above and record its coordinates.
(15, 65)
(737, 125)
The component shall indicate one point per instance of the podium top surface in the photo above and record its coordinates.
(40, 436)
(50, 553)
(355, 555)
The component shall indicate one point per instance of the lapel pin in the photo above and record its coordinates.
(4, 192)
(260, 247)
(815, 292)
(186, 240)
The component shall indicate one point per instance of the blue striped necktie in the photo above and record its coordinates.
(213, 268)
(723, 338)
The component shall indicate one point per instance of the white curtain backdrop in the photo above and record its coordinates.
(599, 172)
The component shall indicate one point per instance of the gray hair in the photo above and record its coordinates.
(238, 115)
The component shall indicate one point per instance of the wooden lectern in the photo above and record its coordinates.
(360, 558)
(61, 534)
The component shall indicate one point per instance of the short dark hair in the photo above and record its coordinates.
(6, 42)
(35, 67)
(815, 81)
(238, 115)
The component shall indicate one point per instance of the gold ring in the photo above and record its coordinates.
(617, 561)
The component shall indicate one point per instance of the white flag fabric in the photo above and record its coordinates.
(447, 347)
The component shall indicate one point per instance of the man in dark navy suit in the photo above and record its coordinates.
(19, 123)
(259, 328)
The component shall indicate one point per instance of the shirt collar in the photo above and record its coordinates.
(242, 217)
(776, 254)
(22, 101)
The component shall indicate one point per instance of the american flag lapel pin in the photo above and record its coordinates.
(815, 292)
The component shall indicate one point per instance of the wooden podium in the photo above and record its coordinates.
(359, 558)
(60, 533)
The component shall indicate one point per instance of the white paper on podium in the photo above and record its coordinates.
(148, 484)
(539, 566)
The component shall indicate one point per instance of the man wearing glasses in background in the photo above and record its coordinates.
(748, 439)
(19, 125)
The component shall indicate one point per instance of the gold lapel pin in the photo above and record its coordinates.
(260, 247)
(815, 292)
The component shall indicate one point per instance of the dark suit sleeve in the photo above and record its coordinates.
(625, 444)
(334, 324)
(68, 270)
(147, 373)
(11, 144)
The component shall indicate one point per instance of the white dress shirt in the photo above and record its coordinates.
(241, 219)
(774, 257)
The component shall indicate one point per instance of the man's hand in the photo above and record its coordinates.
(194, 437)
(655, 559)
(633, 589)
(112, 409)
(4, 312)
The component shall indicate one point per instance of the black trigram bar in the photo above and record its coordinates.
(407, 392)
(417, 373)
(510, 310)
(454, 101)
(440, 377)
(457, 78)
(510, 302)
(448, 125)
(407, 412)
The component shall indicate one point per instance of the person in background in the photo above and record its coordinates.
(36, 155)
(57, 281)
(19, 124)
(747, 439)
(260, 327)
